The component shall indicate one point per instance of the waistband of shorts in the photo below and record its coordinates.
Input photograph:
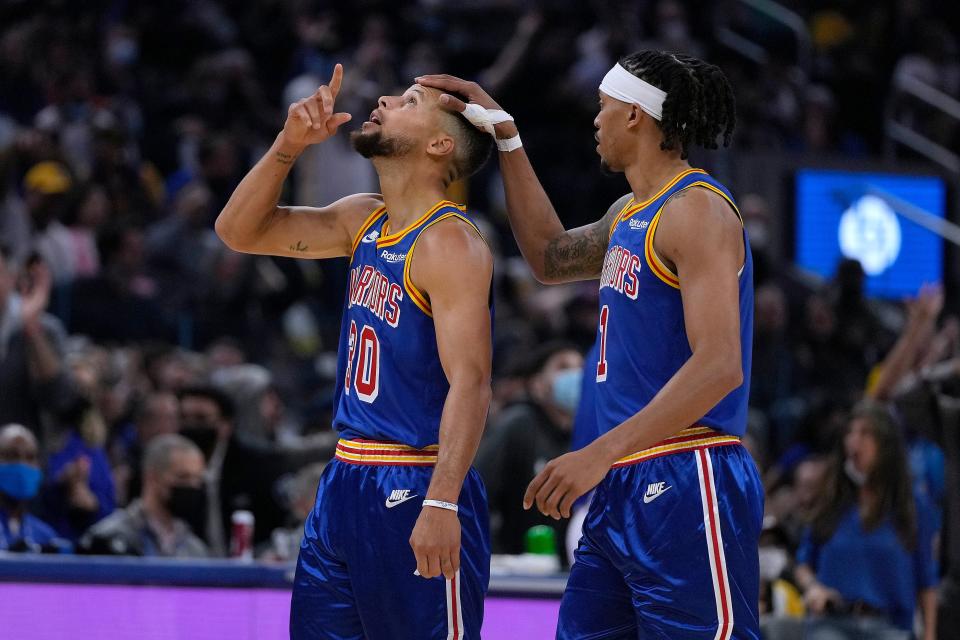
(388, 454)
(690, 439)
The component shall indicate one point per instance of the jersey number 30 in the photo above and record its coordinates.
(366, 376)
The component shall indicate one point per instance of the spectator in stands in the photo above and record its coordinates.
(241, 473)
(284, 544)
(20, 478)
(47, 187)
(868, 557)
(32, 375)
(161, 521)
(81, 490)
(930, 400)
(157, 414)
(121, 303)
(524, 437)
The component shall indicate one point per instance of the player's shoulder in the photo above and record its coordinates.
(694, 208)
(360, 205)
(355, 211)
(619, 204)
(454, 243)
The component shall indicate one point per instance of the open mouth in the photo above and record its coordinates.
(374, 118)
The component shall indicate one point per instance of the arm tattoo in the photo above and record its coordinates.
(284, 158)
(299, 246)
(579, 253)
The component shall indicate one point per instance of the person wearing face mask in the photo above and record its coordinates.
(241, 473)
(867, 559)
(524, 436)
(163, 520)
(20, 478)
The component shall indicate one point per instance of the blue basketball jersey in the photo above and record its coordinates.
(391, 385)
(642, 337)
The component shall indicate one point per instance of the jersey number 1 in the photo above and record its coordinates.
(602, 361)
(366, 376)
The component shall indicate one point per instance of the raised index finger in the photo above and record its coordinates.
(336, 79)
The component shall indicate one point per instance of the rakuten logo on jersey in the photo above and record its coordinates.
(390, 256)
(371, 289)
(621, 268)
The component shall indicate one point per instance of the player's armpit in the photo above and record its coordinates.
(308, 232)
(578, 254)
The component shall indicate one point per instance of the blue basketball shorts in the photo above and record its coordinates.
(669, 546)
(355, 574)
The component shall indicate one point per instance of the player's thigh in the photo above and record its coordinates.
(698, 575)
(596, 603)
(394, 603)
(323, 605)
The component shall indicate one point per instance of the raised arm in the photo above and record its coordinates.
(916, 335)
(453, 266)
(252, 222)
(553, 253)
(703, 240)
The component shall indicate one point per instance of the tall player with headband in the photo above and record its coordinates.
(411, 401)
(669, 546)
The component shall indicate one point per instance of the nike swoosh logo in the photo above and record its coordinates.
(647, 499)
(390, 504)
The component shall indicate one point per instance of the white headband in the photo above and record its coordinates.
(626, 87)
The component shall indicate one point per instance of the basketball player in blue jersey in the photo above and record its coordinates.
(669, 545)
(397, 546)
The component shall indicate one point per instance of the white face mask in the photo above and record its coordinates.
(853, 473)
(773, 561)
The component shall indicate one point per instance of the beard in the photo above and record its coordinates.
(605, 168)
(376, 145)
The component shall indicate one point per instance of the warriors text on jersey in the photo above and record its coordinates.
(391, 385)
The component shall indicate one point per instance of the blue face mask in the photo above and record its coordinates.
(19, 481)
(566, 389)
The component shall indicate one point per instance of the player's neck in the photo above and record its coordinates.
(649, 175)
(408, 191)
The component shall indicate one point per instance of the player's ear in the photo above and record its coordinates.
(634, 115)
(441, 145)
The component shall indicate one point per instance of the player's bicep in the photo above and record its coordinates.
(577, 254)
(314, 232)
(703, 239)
(455, 271)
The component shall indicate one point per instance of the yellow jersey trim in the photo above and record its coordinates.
(388, 239)
(658, 266)
(623, 211)
(686, 440)
(707, 185)
(385, 453)
(646, 203)
(373, 217)
(418, 297)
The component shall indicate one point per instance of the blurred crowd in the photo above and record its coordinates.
(153, 382)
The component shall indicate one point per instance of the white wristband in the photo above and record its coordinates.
(509, 144)
(484, 119)
(440, 504)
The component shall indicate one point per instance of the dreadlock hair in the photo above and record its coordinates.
(699, 106)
